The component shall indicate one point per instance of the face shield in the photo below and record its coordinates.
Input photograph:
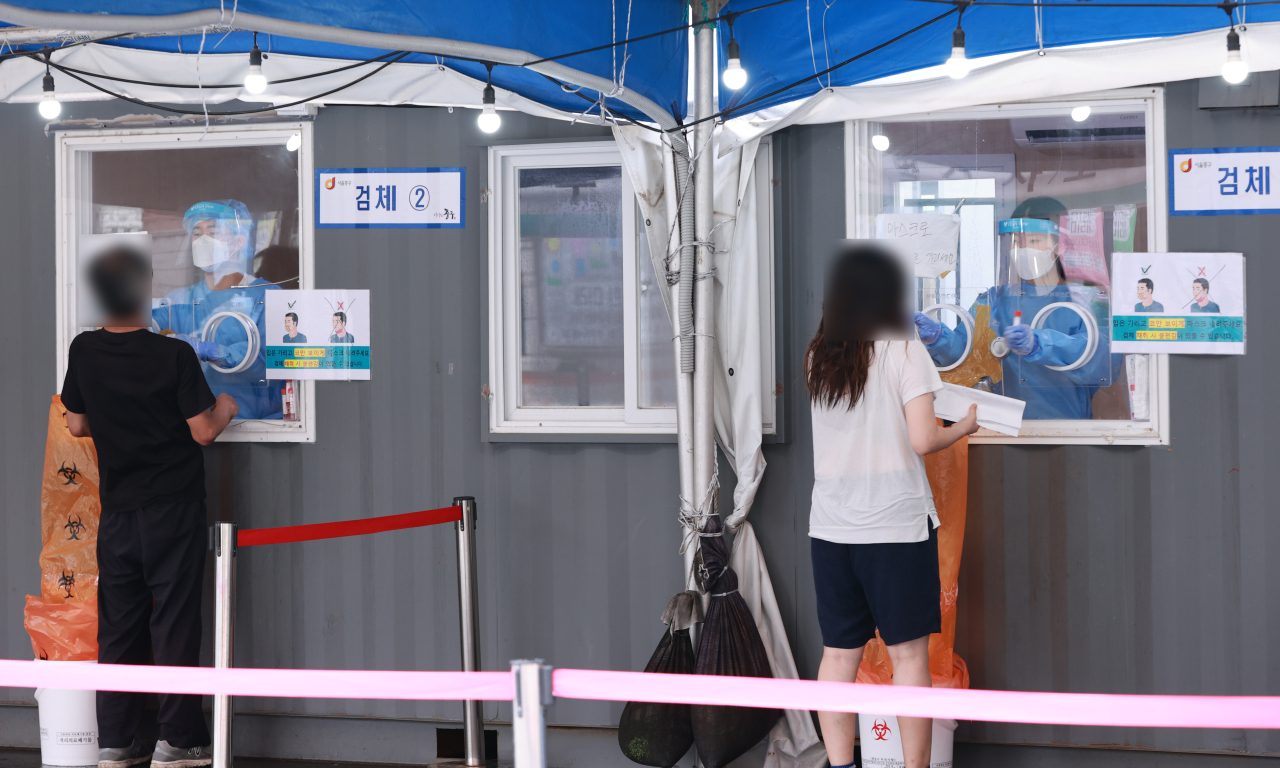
(1028, 250)
(220, 236)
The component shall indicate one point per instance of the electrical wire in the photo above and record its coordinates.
(230, 85)
(47, 50)
(272, 108)
(722, 17)
(738, 107)
(1224, 6)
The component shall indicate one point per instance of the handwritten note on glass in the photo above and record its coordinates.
(931, 240)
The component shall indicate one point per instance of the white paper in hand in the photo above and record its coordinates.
(995, 412)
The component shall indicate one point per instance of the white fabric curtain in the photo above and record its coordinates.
(1059, 72)
(793, 742)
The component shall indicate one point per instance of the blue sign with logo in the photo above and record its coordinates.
(391, 198)
(1224, 181)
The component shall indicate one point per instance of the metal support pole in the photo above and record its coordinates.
(469, 615)
(704, 286)
(224, 622)
(528, 712)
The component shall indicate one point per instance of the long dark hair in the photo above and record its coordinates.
(864, 298)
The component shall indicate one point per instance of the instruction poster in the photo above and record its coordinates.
(317, 335)
(930, 240)
(1185, 303)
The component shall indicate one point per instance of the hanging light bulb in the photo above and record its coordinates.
(1080, 114)
(734, 75)
(958, 65)
(880, 142)
(49, 107)
(1235, 69)
(489, 120)
(294, 142)
(255, 82)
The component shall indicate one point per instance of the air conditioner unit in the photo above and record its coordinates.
(1064, 130)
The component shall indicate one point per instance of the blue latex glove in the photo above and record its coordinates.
(930, 329)
(205, 350)
(1021, 339)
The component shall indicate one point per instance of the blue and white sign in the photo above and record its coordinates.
(1224, 181)
(391, 198)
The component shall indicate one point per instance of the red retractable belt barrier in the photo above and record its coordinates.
(257, 536)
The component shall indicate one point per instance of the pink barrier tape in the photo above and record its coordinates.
(999, 706)
(303, 683)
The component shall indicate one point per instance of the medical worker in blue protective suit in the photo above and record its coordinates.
(220, 233)
(1030, 278)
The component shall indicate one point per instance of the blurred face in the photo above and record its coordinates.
(1144, 292)
(289, 325)
(1198, 292)
(339, 327)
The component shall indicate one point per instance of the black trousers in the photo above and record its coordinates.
(150, 580)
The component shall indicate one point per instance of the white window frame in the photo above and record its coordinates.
(73, 169)
(858, 209)
(505, 416)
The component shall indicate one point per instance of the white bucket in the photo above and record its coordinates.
(882, 745)
(68, 726)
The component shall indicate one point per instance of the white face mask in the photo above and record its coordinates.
(1033, 262)
(207, 253)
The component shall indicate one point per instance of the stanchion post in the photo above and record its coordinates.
(469, 614)
(224, 614)
(528, 712)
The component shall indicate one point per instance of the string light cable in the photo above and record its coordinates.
(236, 113)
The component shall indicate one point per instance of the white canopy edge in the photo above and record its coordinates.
(1022, 77)
(401, 83)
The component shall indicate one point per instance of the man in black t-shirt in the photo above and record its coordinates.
(143, 399)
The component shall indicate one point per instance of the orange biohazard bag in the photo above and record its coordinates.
(63, 621)
(63, 631)
(949, 478)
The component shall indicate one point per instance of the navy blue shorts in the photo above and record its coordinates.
(862, 587)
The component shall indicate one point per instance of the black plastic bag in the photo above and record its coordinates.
(730, 645)
(660, 734)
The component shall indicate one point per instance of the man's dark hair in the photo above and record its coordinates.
(342, 315)
(121, 281)
(1203, 282)
(1150, 285)
(294, 315)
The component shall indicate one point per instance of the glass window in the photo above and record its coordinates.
(580, 340)
(571, 308)
(1041, 201)
(225, 225)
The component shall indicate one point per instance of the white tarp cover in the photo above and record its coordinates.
(1059, 72)
(401, 83)
(793, 742)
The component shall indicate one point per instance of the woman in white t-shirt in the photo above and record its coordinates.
(872, 523)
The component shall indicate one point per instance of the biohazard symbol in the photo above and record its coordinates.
(881, 730)
(67, 581)
(71, 473)
(44, 656)
(74, 527)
